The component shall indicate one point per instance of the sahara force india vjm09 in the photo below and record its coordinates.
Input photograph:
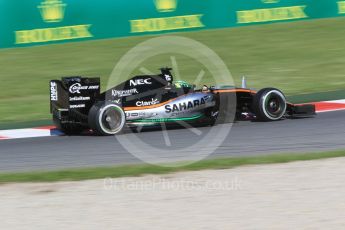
(77, 104)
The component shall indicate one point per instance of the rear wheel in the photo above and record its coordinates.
(106, 118)
(269, 104)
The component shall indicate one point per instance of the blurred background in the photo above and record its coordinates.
(294, 45)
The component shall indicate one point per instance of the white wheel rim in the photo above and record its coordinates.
(267, 114)
(122, 123)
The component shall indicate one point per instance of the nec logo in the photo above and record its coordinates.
(136, 82)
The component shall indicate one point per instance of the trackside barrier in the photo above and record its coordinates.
(41, 22)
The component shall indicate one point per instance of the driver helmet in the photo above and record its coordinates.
(183, 84)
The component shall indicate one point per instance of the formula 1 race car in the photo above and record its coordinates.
(77, 104)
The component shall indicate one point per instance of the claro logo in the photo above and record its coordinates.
(136, 82)
(153, 101)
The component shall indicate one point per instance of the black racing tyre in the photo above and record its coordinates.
(269, 104)
(68, 128)
(106, 118)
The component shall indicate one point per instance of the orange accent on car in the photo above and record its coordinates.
(234, 91)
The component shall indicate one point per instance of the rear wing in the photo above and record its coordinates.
(74, 93)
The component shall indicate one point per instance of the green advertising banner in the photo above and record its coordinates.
(41, 22)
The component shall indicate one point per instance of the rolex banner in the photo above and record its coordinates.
(41, 22)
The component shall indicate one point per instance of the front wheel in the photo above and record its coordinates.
(269, 104)
(106, 118)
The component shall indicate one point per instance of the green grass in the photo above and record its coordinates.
(297, 57)
(138, 170)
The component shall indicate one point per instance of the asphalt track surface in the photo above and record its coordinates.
(324, 132)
